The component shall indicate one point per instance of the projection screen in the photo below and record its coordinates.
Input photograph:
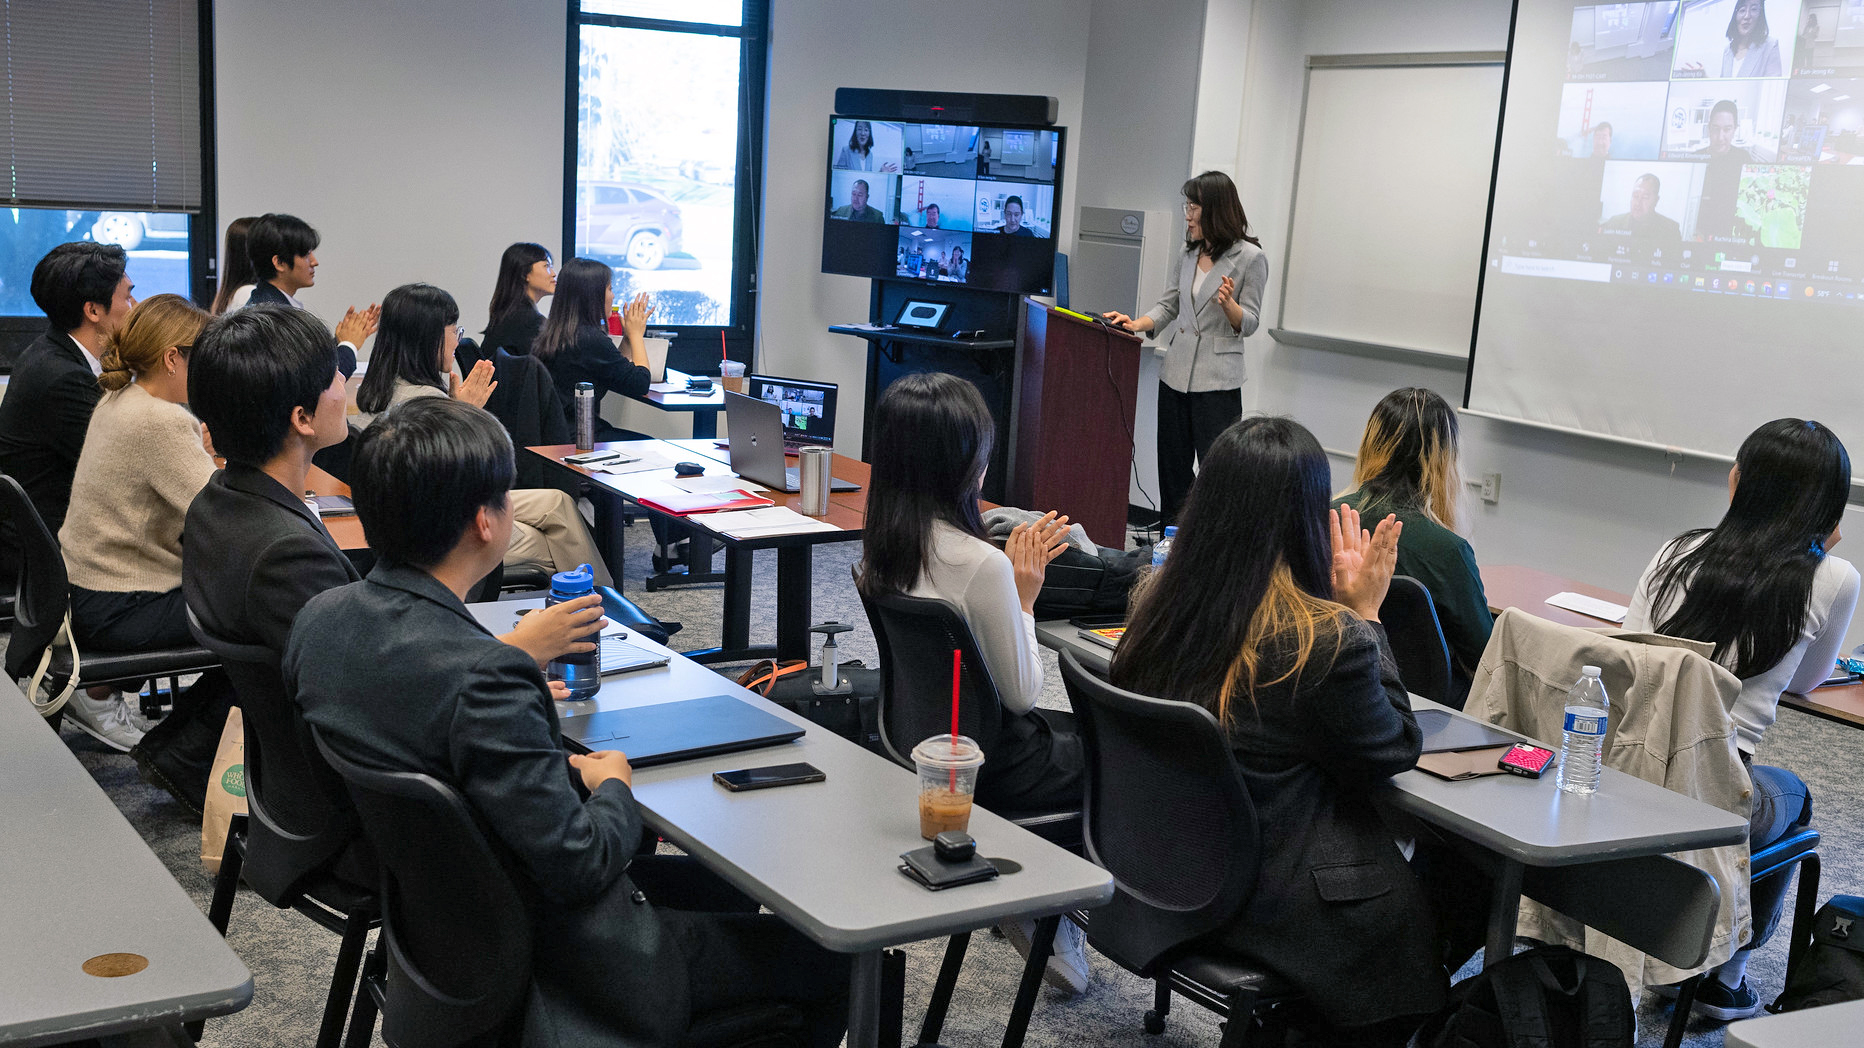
(1676, 237)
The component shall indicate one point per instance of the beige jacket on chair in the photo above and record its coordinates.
(1669, 725)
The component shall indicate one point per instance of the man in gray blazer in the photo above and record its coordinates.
(395, 673)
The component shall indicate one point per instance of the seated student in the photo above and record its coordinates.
(413, 358)
(282, 250)
(236, 272)
(925, 538)
(53, 389)
(1407, 467)
(265, 383)
(1763, 587)
(575, 346)
(525, 276)
(143, 463)
(1297, 668)
(395, 674)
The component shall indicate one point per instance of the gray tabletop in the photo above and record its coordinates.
(1833, 1024)
(77, 882)
(1529, 820)
(824, 856)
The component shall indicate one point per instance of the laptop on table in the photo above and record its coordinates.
(678, 731)
(756, 443)
(808, 409)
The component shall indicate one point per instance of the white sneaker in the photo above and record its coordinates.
(1067, 969)
(132, 709)
(107, 720)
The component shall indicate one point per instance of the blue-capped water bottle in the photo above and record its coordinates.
(582, 671)
(1162, 548)
(1587, 710)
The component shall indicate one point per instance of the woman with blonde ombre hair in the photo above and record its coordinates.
(144, 460)
(1267, 614)
(1407, 466)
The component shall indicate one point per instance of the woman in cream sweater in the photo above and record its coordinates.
(144, 460)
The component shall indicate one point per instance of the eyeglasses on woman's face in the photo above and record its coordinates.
(1192, 210)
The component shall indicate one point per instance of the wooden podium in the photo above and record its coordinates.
(1077, 394)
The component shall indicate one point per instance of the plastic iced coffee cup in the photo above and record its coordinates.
(947, 780)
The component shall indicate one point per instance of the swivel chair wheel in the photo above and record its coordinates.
(1155, 1023)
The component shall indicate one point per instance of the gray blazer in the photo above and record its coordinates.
(1204, 353)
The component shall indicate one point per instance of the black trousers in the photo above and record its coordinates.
(1189, 424)
(182, 746)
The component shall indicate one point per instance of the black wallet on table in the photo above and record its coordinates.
(935, 874)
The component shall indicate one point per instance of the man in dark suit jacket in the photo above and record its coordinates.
(264, 382)
(284, 246)
(395, 673)
(85, 296)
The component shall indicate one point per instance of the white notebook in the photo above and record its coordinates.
(1593, 606)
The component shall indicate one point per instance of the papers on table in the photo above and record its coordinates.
(644, 460)
(716, 482)
(763, 523)
(667, 387)
(1593, 606)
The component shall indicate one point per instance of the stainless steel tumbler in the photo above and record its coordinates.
(815, 475)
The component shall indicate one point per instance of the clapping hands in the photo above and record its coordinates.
(1363, 561)
(1030, 547)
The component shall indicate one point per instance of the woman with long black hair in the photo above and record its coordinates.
(413, 358)
(575, 346)
(1212, 301)
(525, 277)
(1407, 465)
(236, 273)
(924, 537)
(1266, 613)
(1764, 588)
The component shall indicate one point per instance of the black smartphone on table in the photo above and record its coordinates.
(764, 778)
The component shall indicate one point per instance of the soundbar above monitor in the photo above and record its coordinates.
(943, 203)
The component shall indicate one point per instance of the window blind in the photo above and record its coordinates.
(102, 104)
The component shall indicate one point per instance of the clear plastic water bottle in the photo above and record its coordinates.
(582, 672)
(1162, 548)
(1587, 709)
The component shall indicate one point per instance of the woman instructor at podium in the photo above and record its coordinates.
(1212, 300)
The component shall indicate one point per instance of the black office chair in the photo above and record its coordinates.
(916, 636)
(456, 941)
(300, 845)
(1175, 879)
(1410, 621)
(41, 603)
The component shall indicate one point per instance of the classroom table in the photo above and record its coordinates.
(81, 892)
(795, 581)
(1509, 585)
(1834, 1024)
(1524, 822)
(703, 406)
(824, 856)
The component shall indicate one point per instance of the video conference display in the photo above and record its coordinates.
(943, 203)
(1709, 145)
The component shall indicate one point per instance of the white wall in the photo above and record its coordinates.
(420, 137)
(1579, 507)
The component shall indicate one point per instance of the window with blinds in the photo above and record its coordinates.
(102, 138)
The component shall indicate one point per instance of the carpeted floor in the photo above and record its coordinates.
(291, 958)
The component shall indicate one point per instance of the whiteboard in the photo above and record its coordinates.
(1391, 199)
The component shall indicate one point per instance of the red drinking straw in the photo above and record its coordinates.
(955, 666)
(722, 354)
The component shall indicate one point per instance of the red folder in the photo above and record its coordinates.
(705, 502)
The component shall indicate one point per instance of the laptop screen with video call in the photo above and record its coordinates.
(808, 408)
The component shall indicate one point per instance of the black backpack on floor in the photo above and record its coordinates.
(1549, 997)
(1832, 968)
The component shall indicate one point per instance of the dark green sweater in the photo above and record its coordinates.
(1444, 563)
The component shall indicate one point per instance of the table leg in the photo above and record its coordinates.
(611, 521)
(736, 632)
(705, 424)
(864, 1001)
(1504, 909)
(795, 585)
